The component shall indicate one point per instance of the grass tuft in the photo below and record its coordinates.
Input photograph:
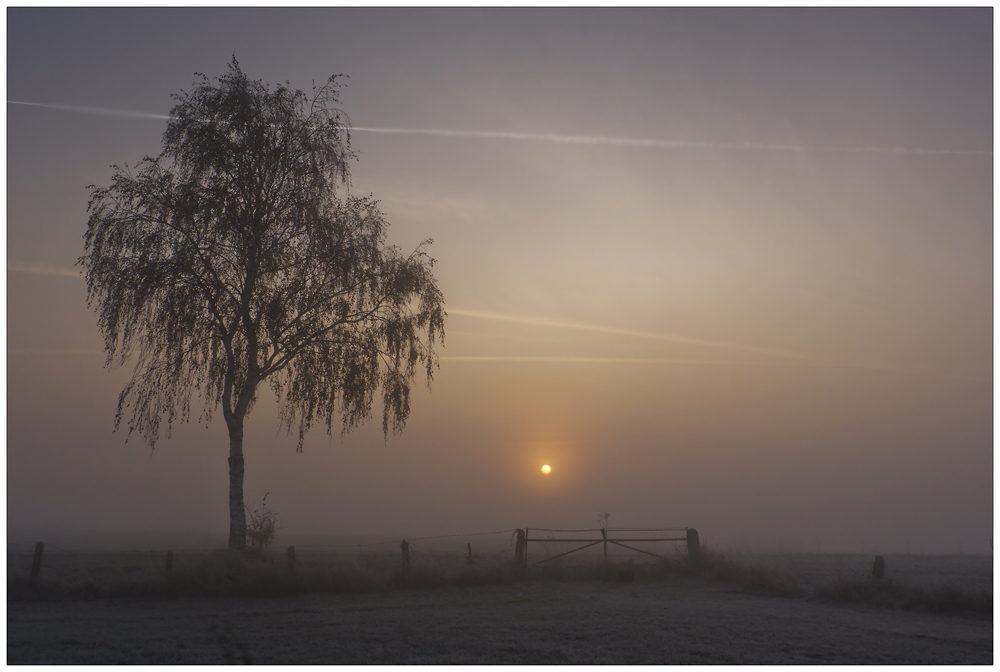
(749, 578)
(892, 595)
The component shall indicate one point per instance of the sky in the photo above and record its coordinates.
(728, 269)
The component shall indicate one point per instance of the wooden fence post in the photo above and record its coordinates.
(169, 569)
(878, 570)
(405, 547)
(36, 562)
(694, 548)
(470, 552)
(604, 533)
(291, 559)
(519, 549)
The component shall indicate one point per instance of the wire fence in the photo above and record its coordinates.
(522, 548)
(614, 529)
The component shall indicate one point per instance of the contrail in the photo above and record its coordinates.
(649, 143)
(662, 144)
(98, 111)
(52, 351)
(15, 266)
(792, 358)
(558, 324)
(546, 359)
(594, 360)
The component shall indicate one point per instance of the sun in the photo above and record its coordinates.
(546, 469)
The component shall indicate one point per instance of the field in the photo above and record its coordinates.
(359, 608)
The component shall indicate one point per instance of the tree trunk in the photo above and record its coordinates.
(237, 510)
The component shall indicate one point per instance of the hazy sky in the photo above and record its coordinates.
(787, 342)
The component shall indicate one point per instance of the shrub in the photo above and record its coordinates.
(262, 526)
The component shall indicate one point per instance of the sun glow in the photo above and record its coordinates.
(546, 469)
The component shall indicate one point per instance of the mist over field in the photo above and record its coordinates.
(748, 288)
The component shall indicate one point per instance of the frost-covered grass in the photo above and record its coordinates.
(960, 585)
(890, 594)
(339, 608)
(543, 620)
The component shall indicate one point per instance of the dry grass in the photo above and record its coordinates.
(884, 594)
(751, 579)
(220, 574)
(892, 595)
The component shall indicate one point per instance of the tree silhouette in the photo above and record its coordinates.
(229, 260)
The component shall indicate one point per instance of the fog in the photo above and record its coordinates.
(787, 350)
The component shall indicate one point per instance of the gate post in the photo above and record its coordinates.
(519, 549)
(878, 570)
(604, 533)
(36, 562)
(694, 547)
(405, 547)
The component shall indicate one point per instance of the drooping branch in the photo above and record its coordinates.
(229, 260)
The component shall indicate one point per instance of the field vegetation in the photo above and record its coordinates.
(961, 584)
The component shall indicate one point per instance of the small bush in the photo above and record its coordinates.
(262, 527)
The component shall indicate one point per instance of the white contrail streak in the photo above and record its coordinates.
(546, 359)
(558, 324)
(792, 358)
(52, 351)
(662, 144)
(593, 360)
(98, 111)
(15, 266)
(649, 143)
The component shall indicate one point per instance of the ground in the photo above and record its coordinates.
(670, 620)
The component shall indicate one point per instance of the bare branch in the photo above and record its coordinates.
(229, 260)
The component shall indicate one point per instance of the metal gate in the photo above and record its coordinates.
(608, 535)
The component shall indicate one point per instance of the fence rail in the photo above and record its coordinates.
(426, 552)
(524, 538)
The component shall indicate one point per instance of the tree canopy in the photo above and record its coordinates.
(232, 258)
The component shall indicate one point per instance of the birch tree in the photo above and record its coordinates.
(233, 259)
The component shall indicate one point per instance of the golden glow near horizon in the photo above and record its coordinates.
(546, 469)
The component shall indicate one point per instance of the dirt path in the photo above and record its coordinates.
(663, 622)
